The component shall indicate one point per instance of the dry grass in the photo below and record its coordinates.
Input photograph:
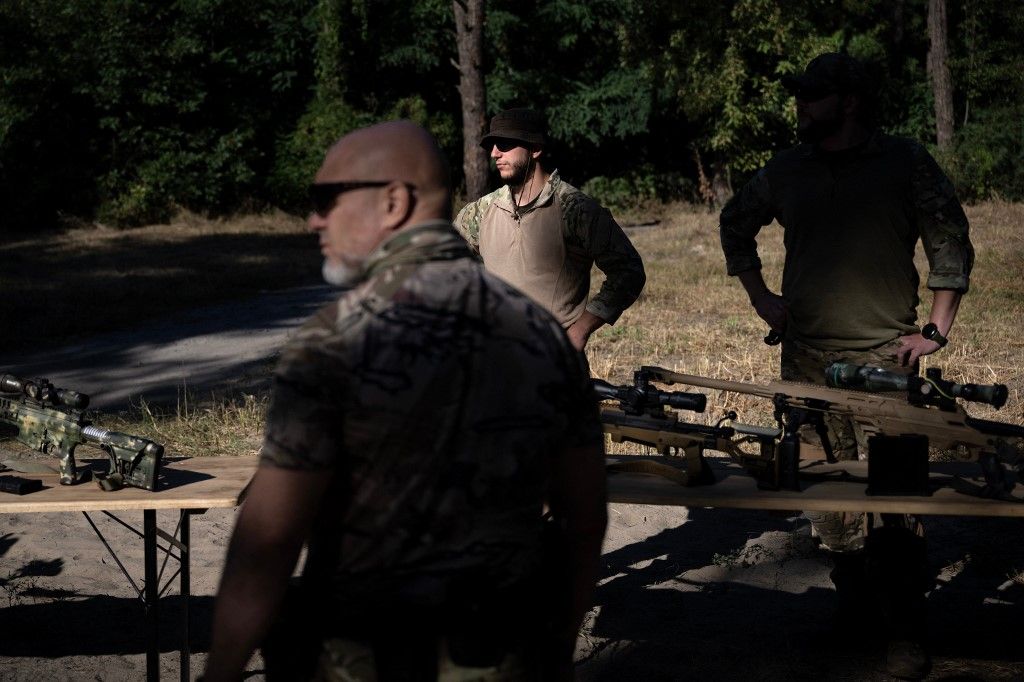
(231, 425)
(691, 317)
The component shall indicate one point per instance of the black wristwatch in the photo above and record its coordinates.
(931, 332)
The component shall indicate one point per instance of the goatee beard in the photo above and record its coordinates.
(342, 274)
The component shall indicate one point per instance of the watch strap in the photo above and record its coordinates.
(931, 332)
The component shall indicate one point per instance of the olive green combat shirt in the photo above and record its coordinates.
(438, 399)
(547, 248)
(852, 220)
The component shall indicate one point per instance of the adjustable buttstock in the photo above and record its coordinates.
(135, 459)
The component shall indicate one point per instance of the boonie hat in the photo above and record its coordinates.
(828, 74)
(521, 125)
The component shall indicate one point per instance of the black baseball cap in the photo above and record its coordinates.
(828, 74)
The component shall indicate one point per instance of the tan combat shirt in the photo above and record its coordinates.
(852, 221)
(547, 248)
(437, 397)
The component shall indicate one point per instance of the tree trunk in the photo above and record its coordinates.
(938, 70)
(469, 37)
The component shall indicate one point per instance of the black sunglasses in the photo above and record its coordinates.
(505, 145)
(322, 195)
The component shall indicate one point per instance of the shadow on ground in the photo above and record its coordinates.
(97, 626)
(661, 618)
(57, 293)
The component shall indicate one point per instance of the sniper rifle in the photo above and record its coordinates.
(926, 407)
(51, 420)
(642, 417)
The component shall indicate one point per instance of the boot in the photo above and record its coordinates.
(853, 599)
(897, 571)
(907, 660)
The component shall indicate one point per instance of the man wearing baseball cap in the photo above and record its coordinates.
(542, 235)
(854, 202)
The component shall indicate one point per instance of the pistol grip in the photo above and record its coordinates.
(68, 469)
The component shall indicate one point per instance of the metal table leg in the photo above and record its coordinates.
(152, 597)
(185, 561)
(152, 590)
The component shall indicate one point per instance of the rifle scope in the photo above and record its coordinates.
(930, 389)
(641, 397)
(42, 391)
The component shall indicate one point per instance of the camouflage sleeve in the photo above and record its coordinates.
(468, 224)
(741, 220)
(943, 225)
(612, 252)
(303, 421)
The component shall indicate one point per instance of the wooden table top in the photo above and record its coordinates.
(736, 489)
(188, 483)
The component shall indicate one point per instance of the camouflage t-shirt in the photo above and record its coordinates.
(546, 249)
(852, 221)
(437, 396)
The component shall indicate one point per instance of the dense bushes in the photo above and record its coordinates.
(124, 111)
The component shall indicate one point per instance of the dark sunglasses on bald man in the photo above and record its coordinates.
(322, 195)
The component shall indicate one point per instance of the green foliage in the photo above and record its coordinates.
(127, 110)
(989, 156)
(634, 189)
(300, 152)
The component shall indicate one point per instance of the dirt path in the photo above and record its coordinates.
(193, 351)
(698, 594)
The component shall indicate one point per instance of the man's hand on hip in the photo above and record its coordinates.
(913, 346)
(580, 330)
(772, 309)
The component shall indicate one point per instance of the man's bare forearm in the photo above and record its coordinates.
(271, 529)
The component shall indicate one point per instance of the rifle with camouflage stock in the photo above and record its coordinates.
(927, 407)
(51, 420)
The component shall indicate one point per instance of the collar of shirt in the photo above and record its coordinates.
(421, 243)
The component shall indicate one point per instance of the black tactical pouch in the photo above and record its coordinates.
(898, 465)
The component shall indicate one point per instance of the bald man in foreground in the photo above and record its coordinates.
(419, 427)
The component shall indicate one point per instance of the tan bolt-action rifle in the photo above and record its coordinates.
(926, 407)
(642, 416)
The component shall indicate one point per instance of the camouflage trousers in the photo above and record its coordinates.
(843, 531)
(349, 660)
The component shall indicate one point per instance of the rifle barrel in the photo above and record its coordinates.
(670, 377)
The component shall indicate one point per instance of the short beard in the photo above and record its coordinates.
(342, 274)
(520, 174)
(817, 130)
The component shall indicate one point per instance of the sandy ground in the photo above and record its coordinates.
(685, 594)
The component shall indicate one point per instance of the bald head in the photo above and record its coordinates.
(396, 150)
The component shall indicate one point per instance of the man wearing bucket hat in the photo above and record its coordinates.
(542, 235)
(853, 203)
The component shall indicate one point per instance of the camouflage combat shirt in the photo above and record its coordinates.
(852, 220)
(436, 396)
(547, 248)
